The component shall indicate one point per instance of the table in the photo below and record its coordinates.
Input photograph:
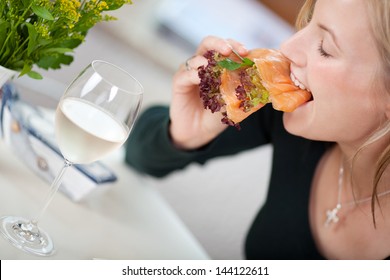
(126, 219)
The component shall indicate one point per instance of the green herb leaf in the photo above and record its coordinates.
(57, 50)
(54, 61)
(32, 38)
(26, 3)
(247, 62)
(35, 75)
(26, 68)
(114, 5)
(232, 65)
(42, 12)
(68, 43)
(4, 25)
(229, 64)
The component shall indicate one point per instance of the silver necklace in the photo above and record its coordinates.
(331, 214)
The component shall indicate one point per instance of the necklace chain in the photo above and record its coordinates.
(331, 214)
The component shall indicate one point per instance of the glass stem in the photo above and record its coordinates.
(52, 191)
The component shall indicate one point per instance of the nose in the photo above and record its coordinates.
(295, 48)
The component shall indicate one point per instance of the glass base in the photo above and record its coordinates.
(26, 236)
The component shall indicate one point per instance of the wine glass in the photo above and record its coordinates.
(93, 117)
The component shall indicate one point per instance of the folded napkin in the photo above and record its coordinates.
(29, 131)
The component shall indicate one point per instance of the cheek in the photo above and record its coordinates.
(342, 90)
(343, 107)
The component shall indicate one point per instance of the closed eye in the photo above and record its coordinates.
(322, 51)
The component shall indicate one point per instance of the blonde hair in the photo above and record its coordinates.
(379, 14)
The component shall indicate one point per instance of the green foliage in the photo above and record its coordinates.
(45, 32)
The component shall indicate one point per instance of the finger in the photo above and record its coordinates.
(214, 43)
(238, 47)
(223, 46)
(188, 63)
(194, 62)
(184, 79)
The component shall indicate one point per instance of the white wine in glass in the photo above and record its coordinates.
(93, 118)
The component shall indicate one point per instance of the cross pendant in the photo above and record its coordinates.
(331, 215)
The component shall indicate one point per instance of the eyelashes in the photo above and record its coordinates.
(322, 51)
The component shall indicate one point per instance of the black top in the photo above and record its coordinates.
(281, 228)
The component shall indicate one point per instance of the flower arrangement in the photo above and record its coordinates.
(45, 32)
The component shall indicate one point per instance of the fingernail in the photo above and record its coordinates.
(230, 47)
(243, 48)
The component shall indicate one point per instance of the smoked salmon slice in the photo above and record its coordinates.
(274, 71)
(242, 91)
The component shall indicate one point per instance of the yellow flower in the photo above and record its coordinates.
(102, 6)
(42, 29)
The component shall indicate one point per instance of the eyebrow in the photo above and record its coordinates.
(331, 32)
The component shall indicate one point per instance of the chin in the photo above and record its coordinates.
(299, 122)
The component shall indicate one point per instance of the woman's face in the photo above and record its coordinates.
(335, 57)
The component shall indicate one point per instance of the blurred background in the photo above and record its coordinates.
(150, 39)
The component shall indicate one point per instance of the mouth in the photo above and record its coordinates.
(299, 84)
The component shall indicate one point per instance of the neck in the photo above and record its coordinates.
(360, 167)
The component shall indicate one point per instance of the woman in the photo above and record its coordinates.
(329, 194)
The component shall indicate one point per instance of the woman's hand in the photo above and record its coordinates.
(191, 125)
